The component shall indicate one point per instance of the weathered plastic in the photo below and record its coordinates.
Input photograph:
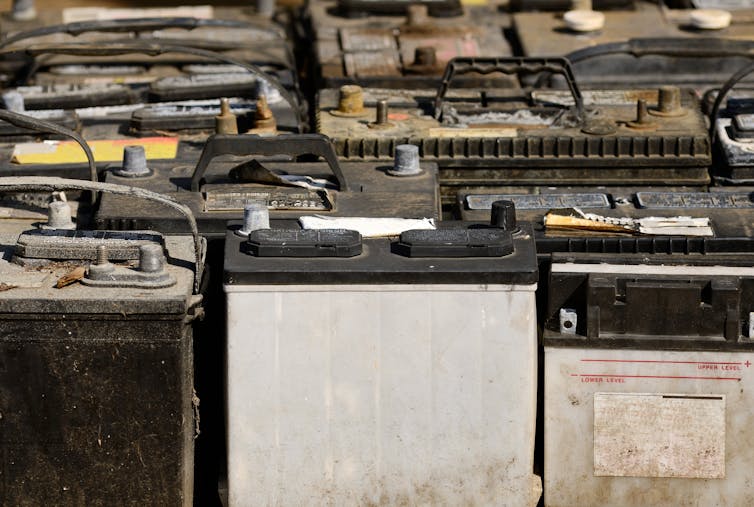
(381, 379)
(648, 380)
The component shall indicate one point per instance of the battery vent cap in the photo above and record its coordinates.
(304, 243)
(486, 242)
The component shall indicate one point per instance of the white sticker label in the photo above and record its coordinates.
(659, 435)
(76, 14)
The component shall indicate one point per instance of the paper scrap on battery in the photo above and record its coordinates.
(104, 150)
(575, 219)
(367, 227)
(77, 14)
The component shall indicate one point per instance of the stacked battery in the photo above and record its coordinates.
(382, 252)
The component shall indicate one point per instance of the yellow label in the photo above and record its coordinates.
(104, 150)
(471, 132)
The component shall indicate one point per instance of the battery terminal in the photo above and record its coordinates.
(350, 102)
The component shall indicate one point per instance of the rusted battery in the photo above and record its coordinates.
(397, 43)
(234, 171)
(491, 137)
(647, 45)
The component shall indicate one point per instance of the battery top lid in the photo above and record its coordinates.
(458, 253)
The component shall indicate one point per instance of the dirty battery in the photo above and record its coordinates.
(646, 44)
(497, 137)
(234, 171)
(647, 372)
(395, 44)
(259, 37)
(96, 369)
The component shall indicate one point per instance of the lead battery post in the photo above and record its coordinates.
(149, 274)
(406, 161)
(134, 163)
(23, 10)
(256, 216)
(59, 216)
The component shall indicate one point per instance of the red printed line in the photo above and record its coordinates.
(660, 376)
(653, 362)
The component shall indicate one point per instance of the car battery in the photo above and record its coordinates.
(647, 372)
(612, 213)
(395, 371)
(647, 45)
(262, 38)
(96, 370)
(224, 76)
(491, 137)
(234, 171)
(173, 131)
(398, 44)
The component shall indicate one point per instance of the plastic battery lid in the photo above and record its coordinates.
(304, 243)
(458, 253)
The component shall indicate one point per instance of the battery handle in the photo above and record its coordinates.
(249, 145)
(511, 65)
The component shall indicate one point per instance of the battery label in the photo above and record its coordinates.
(664, 200)
(366, 40)
(659, 435)
(539, 201)
(173, 82)
(278, 199)
(382, 63)
(76, 14)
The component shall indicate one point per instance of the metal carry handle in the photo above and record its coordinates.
(509, 65)
(29, 122)
(153, 49)
(245, 144)
(134, 25)
(52, 184)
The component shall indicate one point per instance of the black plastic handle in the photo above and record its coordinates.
(247, 145)
(153, 49)
(134, 25)
(510, 65)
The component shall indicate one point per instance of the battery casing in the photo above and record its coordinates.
(96, 385)
(647, 383)
(362, 42)
(381, 378)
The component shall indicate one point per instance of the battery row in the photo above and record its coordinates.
(387, 252)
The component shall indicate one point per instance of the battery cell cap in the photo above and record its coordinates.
(455, 243)
(709, 19)
(304, 243)
(584, 20)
